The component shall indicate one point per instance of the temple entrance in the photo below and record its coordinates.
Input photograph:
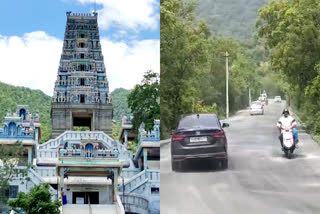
(81, 122)
(12, 129)
(85, 197)
(22, 113)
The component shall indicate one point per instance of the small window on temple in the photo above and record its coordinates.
(81, 45)
(82, 35)
(82, 67)
(82, 81)
(154, 190)
(82, 100)
(82, 56)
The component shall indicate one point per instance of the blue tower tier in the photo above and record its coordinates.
(81, 95)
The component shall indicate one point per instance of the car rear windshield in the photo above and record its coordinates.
(256, 106)
(202, 122)
(256, 103)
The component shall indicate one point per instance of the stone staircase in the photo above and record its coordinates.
(48, 152)
(133, 189)
(134, 182)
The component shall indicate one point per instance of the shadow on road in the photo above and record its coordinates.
(294, 155)
(201, 166)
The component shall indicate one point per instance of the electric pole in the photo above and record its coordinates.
(227, 84)
(249, 96)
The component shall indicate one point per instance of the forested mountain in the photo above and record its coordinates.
(231, 18)
(39, 102)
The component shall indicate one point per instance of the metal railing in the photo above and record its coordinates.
(45, 172)
(134, 202)
(153, 175)
(46, 150)
(134, 182)
(88, 153)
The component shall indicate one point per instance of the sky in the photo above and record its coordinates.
(32, 34)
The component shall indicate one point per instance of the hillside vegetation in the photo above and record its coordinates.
(39, 102)
(231, 18)
(120, 104)
(291, 32)
(193, 67)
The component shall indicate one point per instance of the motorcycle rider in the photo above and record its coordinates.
(287, 121)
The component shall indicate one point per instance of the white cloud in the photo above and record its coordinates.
(32, 60)
(126, 63)
(135, 15)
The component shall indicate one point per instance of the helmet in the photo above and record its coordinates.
(285, 111)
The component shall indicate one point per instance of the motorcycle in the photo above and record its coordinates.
(288, 141)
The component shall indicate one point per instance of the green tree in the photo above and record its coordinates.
(144, 101)
(11, 156)
(37, 201)
(116, 127)
(193, 66)
(184, 56)
(291, 30)
(119, 101)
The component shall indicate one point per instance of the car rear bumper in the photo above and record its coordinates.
(256, 112)
(218, 156)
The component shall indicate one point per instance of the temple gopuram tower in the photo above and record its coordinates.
(81, 94)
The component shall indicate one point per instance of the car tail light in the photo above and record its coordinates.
(178, 137)
(219, 134)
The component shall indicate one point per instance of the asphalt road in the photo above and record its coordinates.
(260, 180)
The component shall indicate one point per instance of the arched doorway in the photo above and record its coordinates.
(89, 150)
(22, 112)
(89, 146)
(12, 128)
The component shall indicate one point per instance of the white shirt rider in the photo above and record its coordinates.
(286, 122)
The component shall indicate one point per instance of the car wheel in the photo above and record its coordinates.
(224, 164)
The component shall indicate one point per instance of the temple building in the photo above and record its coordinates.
(81, 95)
(127, 133)
(89, 171)
(24, 127)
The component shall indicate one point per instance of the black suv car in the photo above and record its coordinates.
(199, 136)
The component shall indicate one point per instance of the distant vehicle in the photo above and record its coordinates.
(199, 136)
(263, 100)
(256, 108)
(277, 99)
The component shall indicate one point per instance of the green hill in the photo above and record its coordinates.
(231, 18)
(120, 105)
(39, 102)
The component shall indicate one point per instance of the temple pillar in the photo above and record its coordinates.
(115, 184)
(145, 159)
(61, 181)
(30, 155)
(71, 120)
(93, 121)
(126, 138)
